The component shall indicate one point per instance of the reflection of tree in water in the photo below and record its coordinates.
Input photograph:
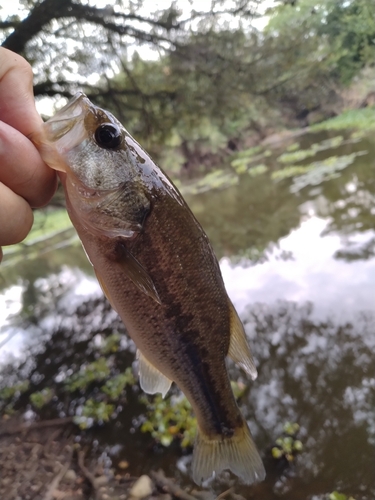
(248, 217)
(350, 204)
(321, 375)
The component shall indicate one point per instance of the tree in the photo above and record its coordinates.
(68, 41)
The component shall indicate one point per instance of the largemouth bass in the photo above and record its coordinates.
(159, 272)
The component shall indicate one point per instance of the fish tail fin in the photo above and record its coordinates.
(237, 453)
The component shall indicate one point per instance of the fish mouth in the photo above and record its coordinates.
(67, 118)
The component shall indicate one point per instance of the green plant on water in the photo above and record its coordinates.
(15, 390)
(94, 412)
(293, 147)
(96, 371)
(316, 172)
(218, 179)
(241, 166)
(257, 170)
(41, 398)
(320, 171)
(335, 495)
(171, 418)
(295, 156)
(111, 344)
(360, 119)
(248, 153)
(291, 171)
(287, 445)
(115, 386)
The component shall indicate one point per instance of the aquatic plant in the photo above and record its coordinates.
(335, 495)
(14, 391)
(111, 344)
(291, 171)
(293, 147)
(257, 170)
(94, 412)
(171, 418)
(302, 154)
(96, 371)
(115, 386)
(287, 445)
(217, 179)
(321, 171)
(41, 398)
(361, 119)
(296, 155)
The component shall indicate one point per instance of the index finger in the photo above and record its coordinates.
(21, 167)
(17, 106)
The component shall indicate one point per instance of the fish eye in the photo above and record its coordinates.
(108, 136)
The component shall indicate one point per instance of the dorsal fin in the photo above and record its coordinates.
(239, 349)
(150, 378)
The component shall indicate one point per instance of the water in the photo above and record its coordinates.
(297, 253)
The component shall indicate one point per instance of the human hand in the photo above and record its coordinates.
(25, 180)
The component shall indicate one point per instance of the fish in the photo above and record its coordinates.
(158, 270)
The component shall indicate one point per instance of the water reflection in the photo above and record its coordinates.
(322, 375)
(311, 273)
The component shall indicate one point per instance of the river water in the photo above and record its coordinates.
(296, 244)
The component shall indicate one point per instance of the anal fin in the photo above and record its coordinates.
(150, 378)
(239, 349)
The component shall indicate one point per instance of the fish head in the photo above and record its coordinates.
(102, 168)
(89, 143)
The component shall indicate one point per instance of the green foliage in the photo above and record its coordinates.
(293, 147)
(115, 386)
(350, 29)
(296, 156)
(218, 179)
(335, 495)
(111, 344)
(320, 171)
(171, 418)
(94, 411)
(257, 170)
(361, 119)
(245, 161)
(249, 153)
(96, 371)
(41, 398)
(291, 171)
(287, 445)
(13, 391)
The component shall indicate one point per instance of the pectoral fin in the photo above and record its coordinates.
(138, 275)
(150, 378)
(238, 348)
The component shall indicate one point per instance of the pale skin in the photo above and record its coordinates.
(25, 180)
